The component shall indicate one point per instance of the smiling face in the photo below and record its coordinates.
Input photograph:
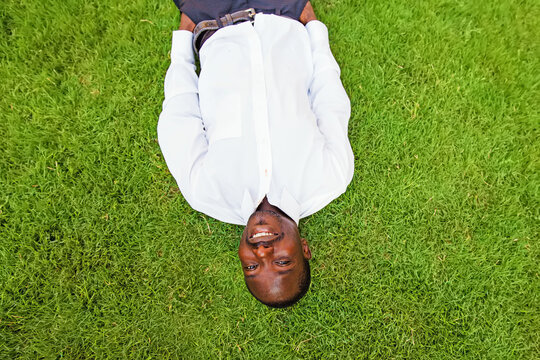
(274, 257)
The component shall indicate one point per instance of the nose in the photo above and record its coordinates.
(263, 251)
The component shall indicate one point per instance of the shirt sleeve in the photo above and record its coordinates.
(330, 104)
(181, 132)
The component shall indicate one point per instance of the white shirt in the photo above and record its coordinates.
(267, 116)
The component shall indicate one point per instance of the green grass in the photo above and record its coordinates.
(432, 253)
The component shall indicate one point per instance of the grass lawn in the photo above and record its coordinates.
(432, 253)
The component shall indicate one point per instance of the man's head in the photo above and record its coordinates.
(274, 259)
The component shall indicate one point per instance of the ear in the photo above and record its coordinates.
(305, 249)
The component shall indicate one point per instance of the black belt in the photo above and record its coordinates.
(206, 28)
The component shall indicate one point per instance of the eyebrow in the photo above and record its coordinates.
(282, 272)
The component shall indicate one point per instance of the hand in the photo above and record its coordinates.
(307, 14)
(186, 23)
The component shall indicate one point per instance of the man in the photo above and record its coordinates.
(260, 137)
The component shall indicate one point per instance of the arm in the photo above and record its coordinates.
(186, 23)
(330, 102)
(180, 130)
(308, 14)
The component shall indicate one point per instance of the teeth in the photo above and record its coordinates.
(261, 234)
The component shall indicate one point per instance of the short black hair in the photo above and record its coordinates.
(303, 286)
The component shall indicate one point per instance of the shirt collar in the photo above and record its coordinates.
(248, 206)
(287, 203)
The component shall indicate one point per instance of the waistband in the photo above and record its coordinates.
(213, 25)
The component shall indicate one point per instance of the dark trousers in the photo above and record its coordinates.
(199, 10)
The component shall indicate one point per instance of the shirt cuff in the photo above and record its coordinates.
(182, 47)
(318, 34)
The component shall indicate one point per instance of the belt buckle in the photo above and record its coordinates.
(251, 12)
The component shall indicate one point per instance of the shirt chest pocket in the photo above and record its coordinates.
(222, 117)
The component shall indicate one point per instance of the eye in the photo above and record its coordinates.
(250, 267)
(283, 262)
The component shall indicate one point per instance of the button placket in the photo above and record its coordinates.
(260, 114)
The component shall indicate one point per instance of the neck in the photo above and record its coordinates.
(265, 205)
